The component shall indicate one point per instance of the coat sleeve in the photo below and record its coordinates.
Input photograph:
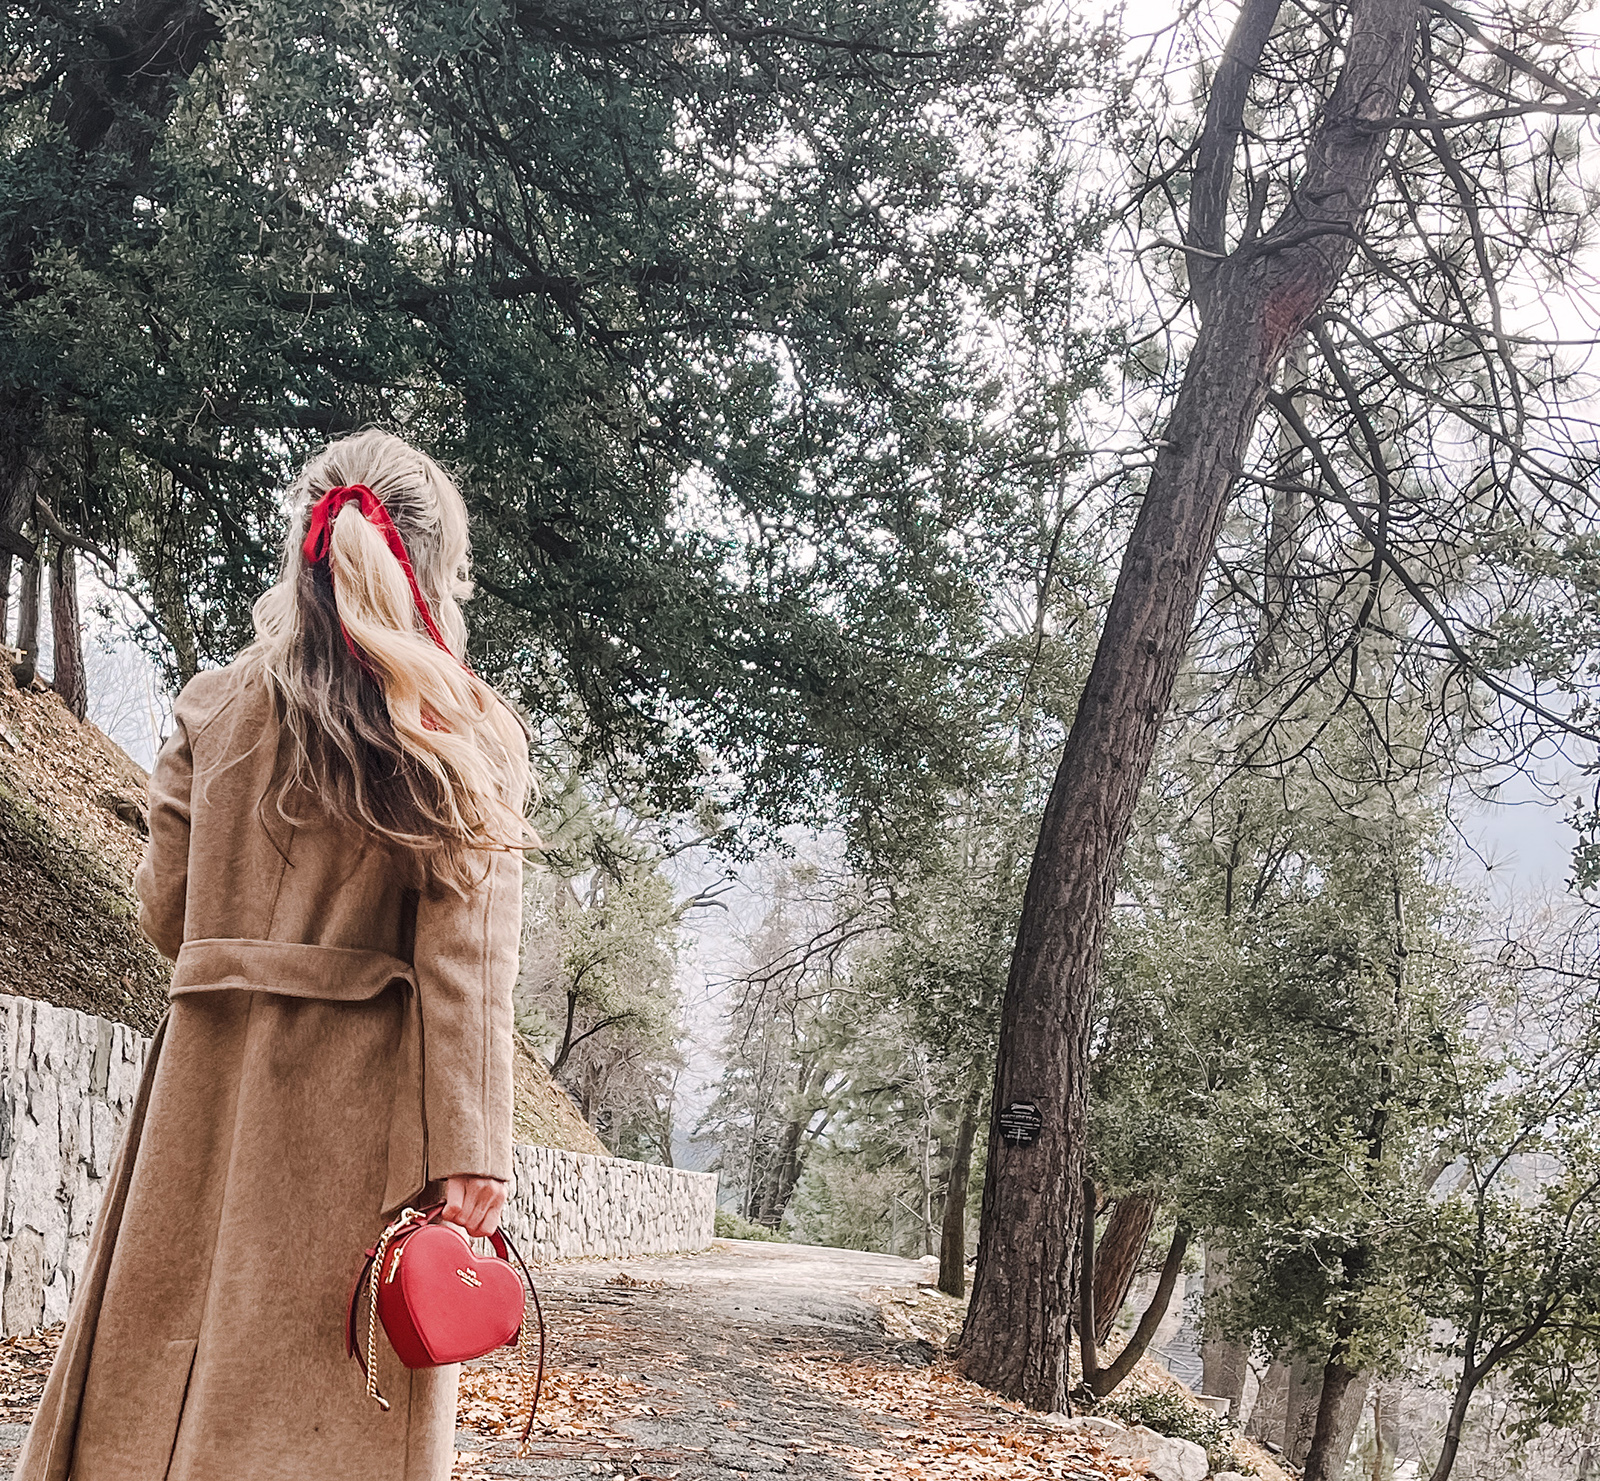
(466, 966)
(162, 880)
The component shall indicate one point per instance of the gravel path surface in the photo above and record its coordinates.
(689, 1367)
(693, 1360)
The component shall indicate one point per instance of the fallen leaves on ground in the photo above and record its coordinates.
(573, 1402)
(634, 1283)
(945, 1428)
(921, 1312)
(24, 1365)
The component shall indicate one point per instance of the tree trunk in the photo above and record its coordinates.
(1127, 1233)
(1351, 1409)
(1382, 1441)
(1451, 1446)
(1324, 1460)
(68, 679)
(1104, 1380)
(564, 1053)
(1255, 301)
(1089, 1352)
(28, 624)
(783, 1175)
(1268, 1419)
(1300, 1407)
(953, 1229)
(1225, 1361)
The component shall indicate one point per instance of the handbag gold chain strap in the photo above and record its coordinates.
(530, 1393)
(406, 1216)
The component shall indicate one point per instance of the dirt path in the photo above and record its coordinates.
(693, 1366)
(745, 1361)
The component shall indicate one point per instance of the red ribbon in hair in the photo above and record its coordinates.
(319, 540)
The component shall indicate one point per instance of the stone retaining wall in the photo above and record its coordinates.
(566, 1204)
(68, 1081)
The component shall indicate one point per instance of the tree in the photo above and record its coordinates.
(689, 301)
(778, 1091)
(1254, 301)
(88, 94)
(1511, 1264)
(597, 986)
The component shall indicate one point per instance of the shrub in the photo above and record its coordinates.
(731, 1226)
(1168, 1412)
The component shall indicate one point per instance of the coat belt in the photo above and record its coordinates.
(338, 974)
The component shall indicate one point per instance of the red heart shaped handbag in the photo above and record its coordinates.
(440, 1301)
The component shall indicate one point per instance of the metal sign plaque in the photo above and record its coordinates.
(1020, 1124)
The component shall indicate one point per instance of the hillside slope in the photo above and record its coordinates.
(71, 833)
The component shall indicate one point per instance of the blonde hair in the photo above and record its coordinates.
(405, 742)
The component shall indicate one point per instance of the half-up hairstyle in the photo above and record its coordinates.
(387, 729)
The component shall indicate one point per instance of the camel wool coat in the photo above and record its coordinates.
(336, 1045)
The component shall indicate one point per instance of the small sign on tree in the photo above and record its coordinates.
(1020, 1124)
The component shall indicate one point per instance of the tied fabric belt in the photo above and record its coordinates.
(336, 974)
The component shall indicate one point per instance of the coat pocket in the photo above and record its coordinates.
(178, 1366)
(133, 1434)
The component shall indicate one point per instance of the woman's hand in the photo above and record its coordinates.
(474, 1204)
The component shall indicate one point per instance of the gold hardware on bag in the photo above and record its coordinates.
(469, 1277)
(394, 1265)
(378, 1255)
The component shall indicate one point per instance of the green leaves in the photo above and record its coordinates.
(689, 301)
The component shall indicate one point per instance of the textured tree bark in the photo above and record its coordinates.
(1225, 1361)
(1321, 1462)
(1300, 1407)
(1351, 1408)
(1127, 1233)
(28, 624)
(953, 1226)
(1256, 300)
(66, 631)
(1267, 1419)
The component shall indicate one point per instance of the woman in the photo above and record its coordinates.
(335, 867)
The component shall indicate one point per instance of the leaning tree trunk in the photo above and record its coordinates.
(1117, 1260)
(1254, 301)
(66, 632)
(953, 1227)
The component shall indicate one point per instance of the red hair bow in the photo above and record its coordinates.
(319, 539)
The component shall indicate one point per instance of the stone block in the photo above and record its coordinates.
(23, 1301)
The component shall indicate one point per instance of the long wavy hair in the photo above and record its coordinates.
(405, 741)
